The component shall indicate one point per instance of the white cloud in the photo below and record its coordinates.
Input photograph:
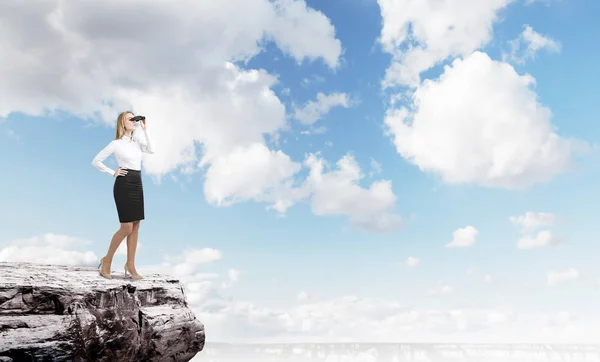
(488, 279)
(560, 318)
(202, 256)
(202, 286)
(312, 80)
(337, 192)
(528, 43)
(375, 167)
(544, 2)
(536, 41)
(331, 320)
(329, 192)
(348, 318)
(303, 296)
(480, 123)
(412, 262)
(314, 130)
(530, 220)
(227, 120)
(122, 249)
(543, 239)
(556, 277)
(441, 290)
(319, 130)
(186, 265)
(352, 319)
(252, 173)
(302, 32)
(314, 111)
(233, 277)
(203, 109)
(463, 237)
(422, 33)
(49, 249)
(85, 55)
(10, 133)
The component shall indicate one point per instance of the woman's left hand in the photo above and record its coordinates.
(143, 124)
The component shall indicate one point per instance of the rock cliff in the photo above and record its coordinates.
(63, 313)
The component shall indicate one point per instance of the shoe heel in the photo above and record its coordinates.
(125, 269)
(100, 270)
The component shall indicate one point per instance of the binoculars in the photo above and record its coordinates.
(138, 118)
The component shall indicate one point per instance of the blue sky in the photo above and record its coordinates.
(257, 272)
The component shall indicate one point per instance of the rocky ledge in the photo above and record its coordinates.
(64, 313)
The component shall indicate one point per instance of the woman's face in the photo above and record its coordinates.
(129, 126)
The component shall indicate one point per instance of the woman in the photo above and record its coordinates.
(127, 190)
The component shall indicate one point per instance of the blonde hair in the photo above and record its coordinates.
(121, 125)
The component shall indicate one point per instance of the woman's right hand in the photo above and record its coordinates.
(120, 172)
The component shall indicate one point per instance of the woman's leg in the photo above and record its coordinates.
(125, 229)
(132, 240)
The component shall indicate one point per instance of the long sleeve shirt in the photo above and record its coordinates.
(127, 151)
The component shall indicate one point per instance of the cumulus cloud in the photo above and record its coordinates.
(334, 319)
(412, 262)
(441, 290)
(375, 167)
(556, 277)
(337, 192)
(528, 43)
(348, 318)
(543, 239)
(251, 173)
(303, 296)
(187, 263)
(560, 318)
(204, 109)
(233, 276)
(192, 267)
(463, 237)
(313, 111)
(488, 279)
(49, 249)
(481, 124)
(419, 34)
(531, 221)
(86, 55)
(202, 256)
(328, 191)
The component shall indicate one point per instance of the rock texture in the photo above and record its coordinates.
(63, 313)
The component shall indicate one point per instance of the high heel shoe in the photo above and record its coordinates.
(134, 277)
(107, 276)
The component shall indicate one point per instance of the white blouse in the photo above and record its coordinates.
(127, 151)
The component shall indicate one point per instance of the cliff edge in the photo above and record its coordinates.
(65, 313)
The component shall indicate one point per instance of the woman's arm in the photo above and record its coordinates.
(101, 156)
(146, 146)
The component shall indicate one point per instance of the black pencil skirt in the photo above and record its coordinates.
(129, 196)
